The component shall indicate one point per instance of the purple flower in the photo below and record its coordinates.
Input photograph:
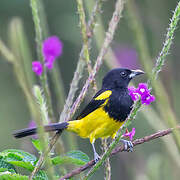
(147, 99)
(143, 92)
(134, 93)
(52, 48)
(142, 89)
(37, 67)
(130, 134)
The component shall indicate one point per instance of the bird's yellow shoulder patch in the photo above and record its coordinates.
(104, 95)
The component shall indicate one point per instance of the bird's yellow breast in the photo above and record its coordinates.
(95, 125)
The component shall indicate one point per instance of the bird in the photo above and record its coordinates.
(104, 115)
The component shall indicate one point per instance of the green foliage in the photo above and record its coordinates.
(41, 175)
(19, 158)
(72, 157)
(5, 166)
(36, 144)
(13, 157)
(8, 176)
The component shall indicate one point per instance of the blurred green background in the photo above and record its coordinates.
(150, 161)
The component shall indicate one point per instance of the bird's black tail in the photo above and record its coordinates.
(31, 131)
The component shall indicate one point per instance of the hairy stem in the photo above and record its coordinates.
(80, 67)
(43, 137)
(39, 39)
(154, 75)
(107, 175)
(73, 88)
(141, 43)
(83, 27)
(109, 36)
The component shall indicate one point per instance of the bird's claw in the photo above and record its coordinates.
(96, 157)
(128, 145)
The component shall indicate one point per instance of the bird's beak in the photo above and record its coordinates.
(135, 73)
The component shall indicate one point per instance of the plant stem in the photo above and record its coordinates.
(6, 52)
(73, 88)
(39, 39)
(84, 33)
(43, 137)
(109, 36)
(18, 65)
(141, 43)
(121, 149)
(99, 36)
(156, 69)
(107, 170)
(59, 87)
(80, 67)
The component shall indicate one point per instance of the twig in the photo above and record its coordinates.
(141, 43)
(44, 155)
(137, 106)
(11, 57)
(121, 149)
(80, 67)
(171, 119)
(38, 93)
(73, 89)
(109, 36)
(83, 26)
(168, 41)
(107, 166)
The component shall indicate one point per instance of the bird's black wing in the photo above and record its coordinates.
(95, 103)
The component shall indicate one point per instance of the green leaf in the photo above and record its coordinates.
(8, 176)
(36, 144)
(19, 158)
(41, 175)
(4, 166)
(5, 169)
(72, 157)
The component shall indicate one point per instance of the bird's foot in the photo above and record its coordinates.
(128, 145)
(96, 157)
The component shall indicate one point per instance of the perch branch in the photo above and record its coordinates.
(121, 149)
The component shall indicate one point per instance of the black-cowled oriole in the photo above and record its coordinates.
(105, 113)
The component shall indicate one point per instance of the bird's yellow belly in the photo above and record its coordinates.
(95, 125)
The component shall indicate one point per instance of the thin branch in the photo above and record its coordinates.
(80, 66)
(107, 166)
(138, 104)
(83, 27)
(45, 154)
(38, 93)
(73, 88)
(109, 36)
(142, 47)
(121, 149)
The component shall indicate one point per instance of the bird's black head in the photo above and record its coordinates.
(119, 78)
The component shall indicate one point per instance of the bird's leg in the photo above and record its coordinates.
(128, 145)
(96, 156)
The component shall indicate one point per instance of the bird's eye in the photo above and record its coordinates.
(123, 74)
